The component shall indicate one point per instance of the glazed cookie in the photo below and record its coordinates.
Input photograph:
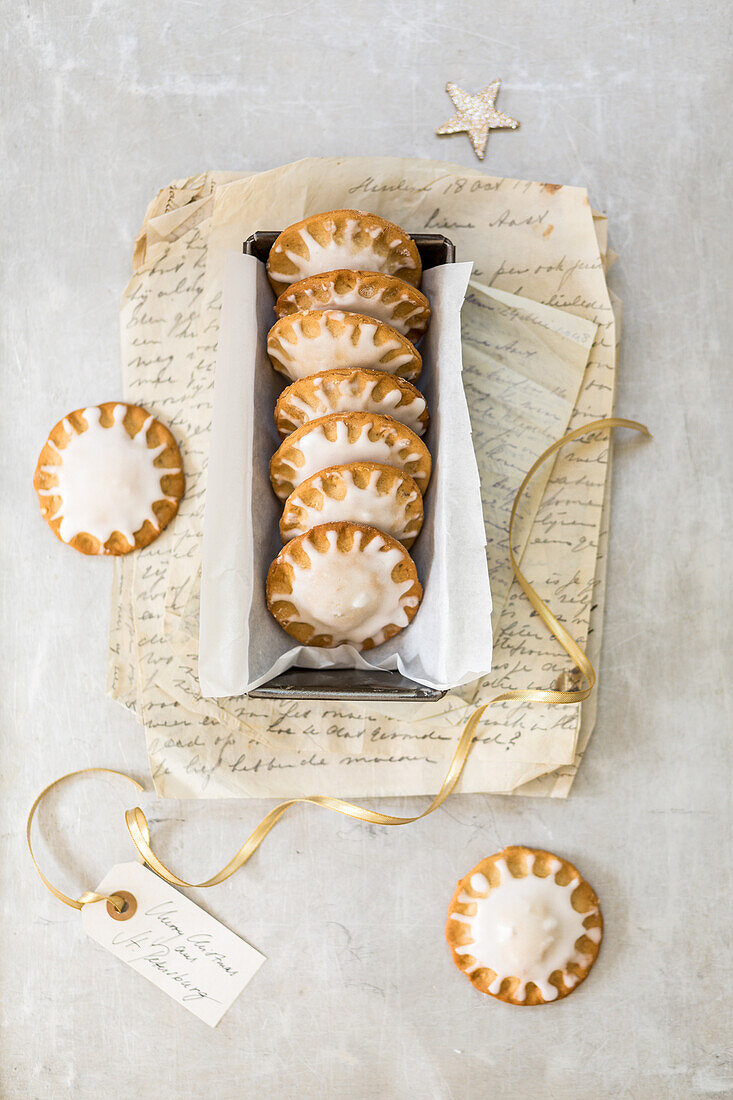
(341, 239)
(306, 343)
(524, 926)
(371, 293)
(350, 390)
(343, 438)
(343, 583)
(363, 492)
(109, 478)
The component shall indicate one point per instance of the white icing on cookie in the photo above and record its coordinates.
(106, 480)
(349, 394)
(353, 346)
(350, 594)
(352, 300)
(359, 505)
(350, 254)
(524, 928)
(318, 452)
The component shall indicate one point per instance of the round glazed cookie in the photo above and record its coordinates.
(524, 926)
(353, 389)
(343, 583)
(343, 438)
(339, 239)
(363, 492)
(306, 343)
(109, 478)
(384, 297)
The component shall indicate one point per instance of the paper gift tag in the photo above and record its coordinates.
(171, 942)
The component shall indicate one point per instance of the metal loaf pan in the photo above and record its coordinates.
(350, 683)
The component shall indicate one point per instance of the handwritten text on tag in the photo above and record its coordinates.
(171, 942)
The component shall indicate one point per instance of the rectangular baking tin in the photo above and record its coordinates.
(350, 683)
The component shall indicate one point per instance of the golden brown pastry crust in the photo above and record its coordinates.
(309, 333)
(521, 861)
(380, 245)
(172, 485)
(411, 454)
(322, 391)
(338, 483)
(372, 293)
(280, 579)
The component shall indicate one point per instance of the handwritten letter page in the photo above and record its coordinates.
(537, 242)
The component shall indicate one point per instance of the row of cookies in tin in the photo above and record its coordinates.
(352, 466)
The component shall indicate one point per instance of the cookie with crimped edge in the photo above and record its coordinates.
(384, 297)
(354, 389)
(109, 478)
(351, 239)
(306, 343)
(343, 583)
(363, 492)
(342, 438)
(524, 926)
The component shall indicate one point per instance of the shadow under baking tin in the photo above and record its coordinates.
(357, 684)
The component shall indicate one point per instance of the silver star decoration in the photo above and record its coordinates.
(476, 115)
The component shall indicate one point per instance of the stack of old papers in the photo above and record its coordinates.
(540, 334)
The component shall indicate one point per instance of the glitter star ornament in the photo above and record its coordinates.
(476, 115)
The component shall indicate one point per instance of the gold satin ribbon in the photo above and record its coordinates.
(88, 895)
(136, 821)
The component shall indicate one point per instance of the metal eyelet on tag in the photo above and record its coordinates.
(130, 907)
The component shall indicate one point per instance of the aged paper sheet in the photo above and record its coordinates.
(523, 368)
(557, 784)
(246, 747)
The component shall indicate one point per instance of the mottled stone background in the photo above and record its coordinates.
(103, 104)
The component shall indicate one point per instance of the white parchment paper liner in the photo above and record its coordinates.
(240, 645)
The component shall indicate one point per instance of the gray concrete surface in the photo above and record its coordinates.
(104, 103)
